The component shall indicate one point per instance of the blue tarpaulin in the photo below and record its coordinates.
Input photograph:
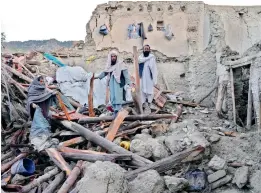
(54, 59)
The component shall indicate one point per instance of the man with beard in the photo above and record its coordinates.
(148, 74)
(117, 80)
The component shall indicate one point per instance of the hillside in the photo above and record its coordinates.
(40, 45)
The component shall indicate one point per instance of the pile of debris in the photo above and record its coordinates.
(179, 146)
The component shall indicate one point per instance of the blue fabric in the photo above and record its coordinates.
(197, 180)
(54, 59)
(39, 125)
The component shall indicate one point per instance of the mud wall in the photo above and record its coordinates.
(203, 35)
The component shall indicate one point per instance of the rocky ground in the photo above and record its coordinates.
(232, 163)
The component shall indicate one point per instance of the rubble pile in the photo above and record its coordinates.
(179, 147)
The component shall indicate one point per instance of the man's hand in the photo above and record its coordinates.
(55, 92)
(34, 105)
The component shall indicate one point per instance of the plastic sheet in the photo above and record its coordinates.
(40, 132)
(75, 82)
(197, 180)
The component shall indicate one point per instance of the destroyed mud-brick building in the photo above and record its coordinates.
(200, 136)
(206, 38)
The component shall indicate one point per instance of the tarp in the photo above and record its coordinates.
(40, 132)
(54, 59)
(75, 82)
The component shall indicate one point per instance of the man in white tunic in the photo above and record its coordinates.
(148, 74)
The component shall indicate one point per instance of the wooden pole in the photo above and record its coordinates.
(249, 106)
(20, 75)
(72, 178)
(82, 151)
(55, 183)
(220, 98)
(210, 91)
(73, 141)
(128, 118)
(137, 79)
(233, 94)
(26, 69)
(58, 159)
(96, 157)
(90, 98)
(165, 82)
(115, 125)
(40, 180)
(104, 143)
(165, 164)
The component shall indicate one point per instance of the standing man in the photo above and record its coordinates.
(148, 73)
(117, 80)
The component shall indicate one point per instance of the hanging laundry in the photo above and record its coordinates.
(168, 32)
(104, 30)
(142, 32)
(133, 31)
(150, 28)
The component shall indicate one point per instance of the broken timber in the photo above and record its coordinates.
(71, 178)
(104, 143)
(242, 62)
(57, 158)
(249, 107)
(142, 117)
(165, 164)
(233, 94)
(55, 183)
(96, 157)
(40, 180)
(137, 79)
(90, 98)
(20, 75)
(116, 124)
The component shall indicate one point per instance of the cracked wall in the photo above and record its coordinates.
(203, 35)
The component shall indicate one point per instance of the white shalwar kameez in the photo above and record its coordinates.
(148, 82)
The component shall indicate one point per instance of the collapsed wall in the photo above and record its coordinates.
(203, 35)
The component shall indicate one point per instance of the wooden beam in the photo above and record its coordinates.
(115, 125)
(96, 157)
(40, 180)
(244, 61)
(73, 141)
(128, 118)
(20, 75)
(165, 164)
(72, 178)
(58, 159)
(165, 82)
(90, 98)
(104, 143)
(233, 94)
(137, 79)
(249, 107)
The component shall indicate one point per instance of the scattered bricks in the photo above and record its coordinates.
(216, 176)
(241, 176)
(221, 182)
(217, 163)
